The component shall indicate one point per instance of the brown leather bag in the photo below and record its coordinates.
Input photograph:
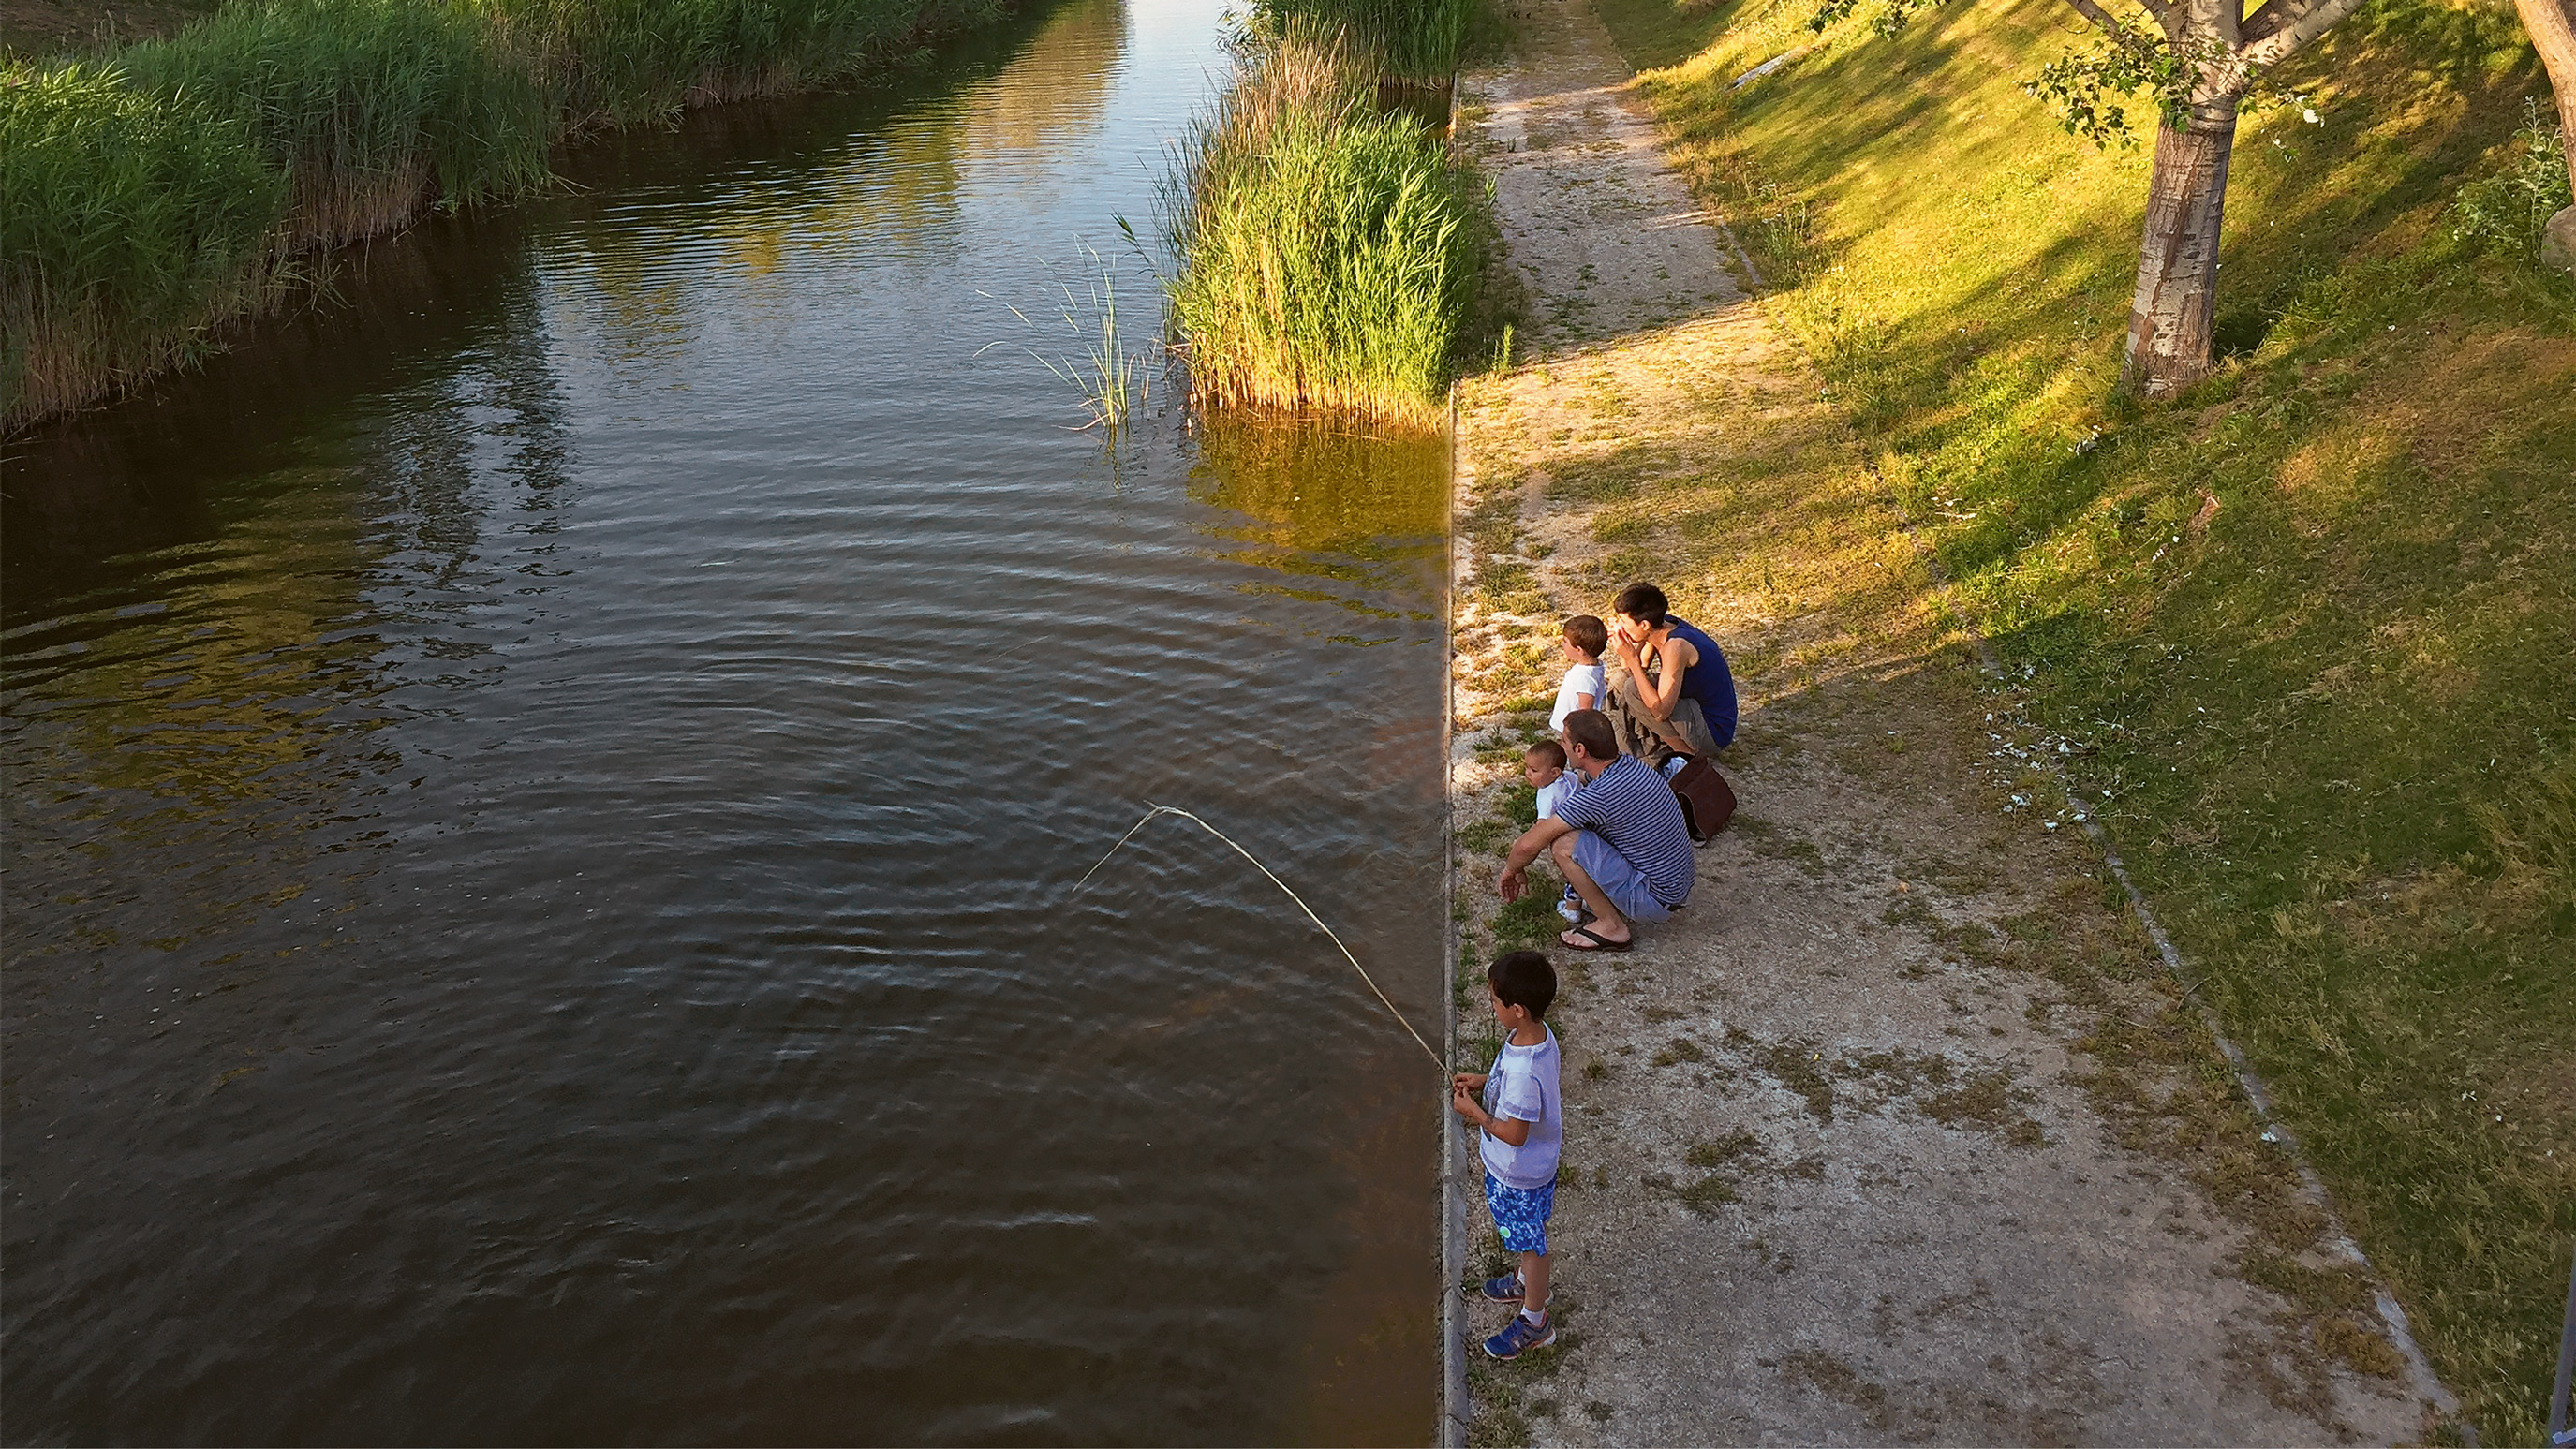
(1708, 802)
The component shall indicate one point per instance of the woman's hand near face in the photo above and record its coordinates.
(1625, 644)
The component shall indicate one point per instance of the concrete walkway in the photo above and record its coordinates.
(1898, 1134)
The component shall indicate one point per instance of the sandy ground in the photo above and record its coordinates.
(1898, 1133)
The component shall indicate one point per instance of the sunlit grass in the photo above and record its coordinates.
(1329, 253)
(2310, 628)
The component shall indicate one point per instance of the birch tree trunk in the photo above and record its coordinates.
(2551, 24)
(2170, 314)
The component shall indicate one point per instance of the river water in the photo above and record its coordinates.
(542, 802)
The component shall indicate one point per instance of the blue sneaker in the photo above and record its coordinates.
(1506, 1289)
(1519, 1337)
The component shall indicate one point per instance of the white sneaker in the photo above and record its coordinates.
(1572, 911)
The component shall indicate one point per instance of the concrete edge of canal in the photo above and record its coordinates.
(1454, 1406)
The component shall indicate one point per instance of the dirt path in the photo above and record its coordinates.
(1898, 1134)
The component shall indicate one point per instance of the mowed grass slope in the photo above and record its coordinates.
(2309, 632)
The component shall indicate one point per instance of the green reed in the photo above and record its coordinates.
(153, 197)
(375, 107)
(132, 221)
(623, 62)
(1410, 39)
(1104, 371)
(1328, 252)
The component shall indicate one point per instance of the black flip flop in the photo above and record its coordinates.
(1599, 942)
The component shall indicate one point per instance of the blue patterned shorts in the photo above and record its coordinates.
(1520, 1213)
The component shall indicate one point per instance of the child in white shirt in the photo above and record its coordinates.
(1550, 782)
(1520, 1116)
(1544, 768)
(1585, 684)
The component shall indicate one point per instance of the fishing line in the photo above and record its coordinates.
(1292, 895)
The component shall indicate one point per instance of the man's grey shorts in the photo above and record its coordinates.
(1617, 878)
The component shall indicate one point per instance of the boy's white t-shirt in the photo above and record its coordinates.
(1555, 790)
(1522, 1087)
(1581, 679)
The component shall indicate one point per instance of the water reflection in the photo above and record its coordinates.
(1345, 512)
(1051, 101)
(541, 807)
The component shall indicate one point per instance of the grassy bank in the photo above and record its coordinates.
(2307, 634)
(168, 186)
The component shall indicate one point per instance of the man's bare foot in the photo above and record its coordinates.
(1586, 938)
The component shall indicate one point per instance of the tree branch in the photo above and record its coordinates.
(2271, 15)
(2221, 18)
(2163, 12)
(2290, 31)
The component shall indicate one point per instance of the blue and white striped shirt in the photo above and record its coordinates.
(1630, 807)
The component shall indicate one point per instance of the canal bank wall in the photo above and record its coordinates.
(1900, 1130)
(165, 190)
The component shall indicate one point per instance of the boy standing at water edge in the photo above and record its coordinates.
(1520, 1118)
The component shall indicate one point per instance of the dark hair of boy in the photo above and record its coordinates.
(1590, 728)
(1523, 979)
(1550, 751)
(1644, 603)
(1587, 633)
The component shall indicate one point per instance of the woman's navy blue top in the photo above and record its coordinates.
(1709, 681)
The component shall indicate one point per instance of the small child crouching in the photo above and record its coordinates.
(1544, 768)
(1520, 1114)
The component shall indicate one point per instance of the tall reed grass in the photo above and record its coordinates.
(156, 195)
(131, 222)
(1329, 253)
(374, 107)
(1105, 372)
(625, 62)
(1410, 39)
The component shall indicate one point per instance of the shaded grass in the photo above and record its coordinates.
(33, 30)
(2308, 631)
(372, 107)
(627, 62)
(1329, 253)
(130, 224)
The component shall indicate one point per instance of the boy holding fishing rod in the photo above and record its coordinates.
(1519, 1114)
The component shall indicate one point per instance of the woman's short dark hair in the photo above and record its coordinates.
(1523, 979)
(1644, 603)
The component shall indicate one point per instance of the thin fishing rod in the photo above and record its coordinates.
(1292, 895)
